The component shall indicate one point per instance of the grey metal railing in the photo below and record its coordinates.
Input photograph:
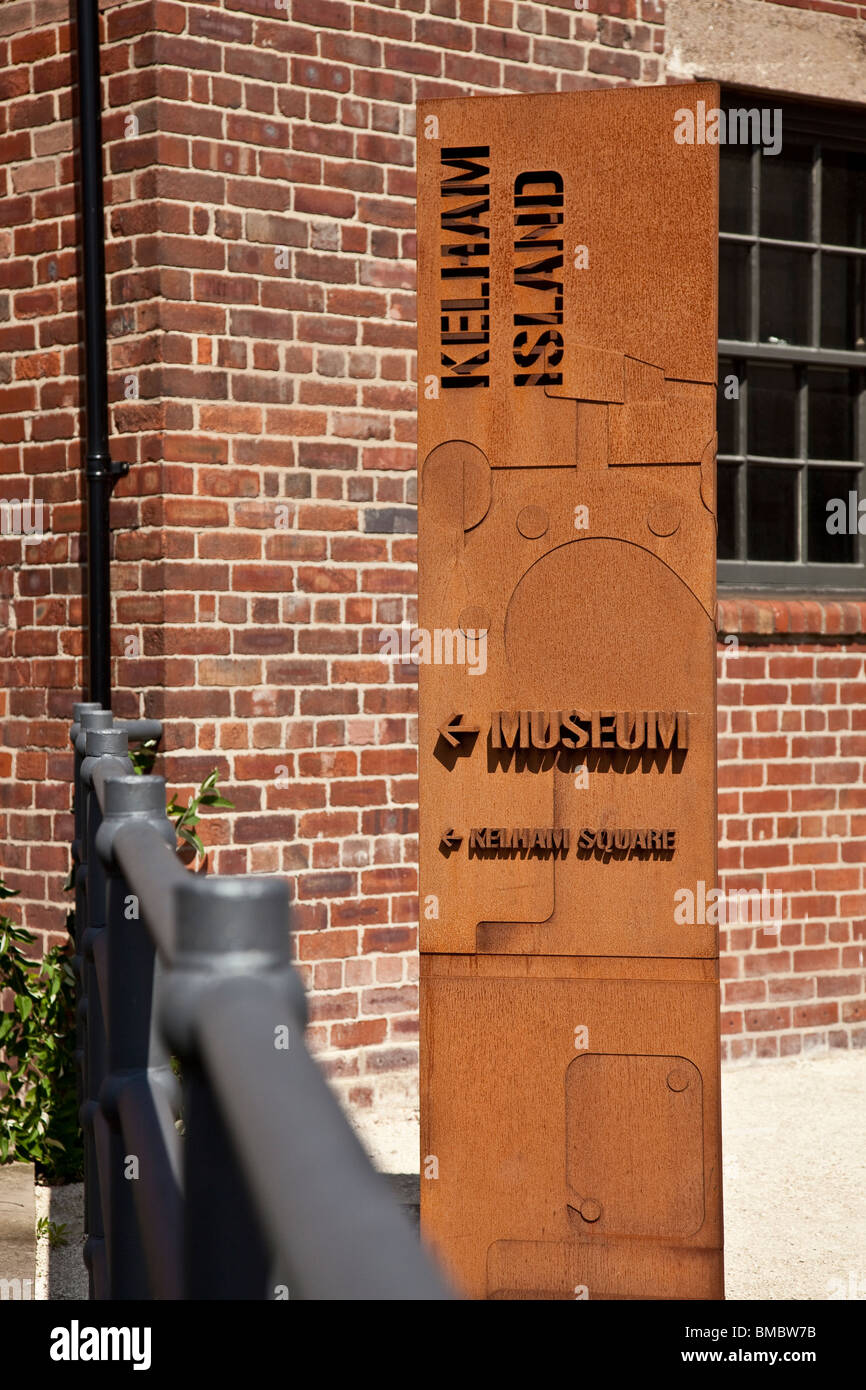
(267, 1192)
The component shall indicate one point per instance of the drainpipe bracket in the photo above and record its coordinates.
(100, 467)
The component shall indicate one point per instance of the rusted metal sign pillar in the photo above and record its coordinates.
(570, 1019)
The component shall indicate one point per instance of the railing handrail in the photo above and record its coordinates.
(269, 1187)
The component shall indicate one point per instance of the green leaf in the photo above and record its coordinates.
(143, 757)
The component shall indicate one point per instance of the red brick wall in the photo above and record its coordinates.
(260, 292)
(40, 607)
(792, 818)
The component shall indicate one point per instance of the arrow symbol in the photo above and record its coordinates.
(453, 728)
(449, 840)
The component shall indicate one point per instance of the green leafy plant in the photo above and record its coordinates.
(52, 1231)
(38, 1098)
(186, 818)
(143, 757)
(38, 1108)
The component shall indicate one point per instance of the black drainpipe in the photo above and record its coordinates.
(100, 472)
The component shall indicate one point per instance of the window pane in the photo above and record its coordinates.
(772, 513)
(785, 295)
(830, 514)
(832, 406)
(734, 291)
(786, 182)
(726, 410)
(735, 182)
(843, 198)
(843, 282)
(726, 510)
(772, 411)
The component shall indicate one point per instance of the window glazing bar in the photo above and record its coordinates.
(789, 352)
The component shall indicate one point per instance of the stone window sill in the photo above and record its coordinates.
(790, 617)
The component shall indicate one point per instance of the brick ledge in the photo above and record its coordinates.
(791, 617)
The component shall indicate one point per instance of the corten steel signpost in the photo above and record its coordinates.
(570, 1024)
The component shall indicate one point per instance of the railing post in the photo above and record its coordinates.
(80, 708)
(96, 743)
(88, 716)
(225, 928)
(137, 1095)
(257, 1100)
(78, 813)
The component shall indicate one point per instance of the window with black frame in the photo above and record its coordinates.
(792, 354)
